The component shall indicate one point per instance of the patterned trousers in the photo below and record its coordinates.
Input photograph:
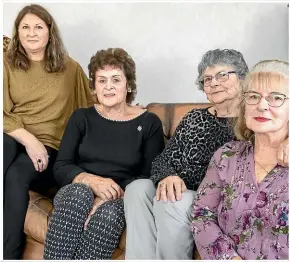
(66, 237)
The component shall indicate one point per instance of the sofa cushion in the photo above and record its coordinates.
(162, 111)
(33, 250)
(39, 211)
(37, 217)
(171, 114)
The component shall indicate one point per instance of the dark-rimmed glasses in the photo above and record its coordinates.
(274, 99)
(220, 77)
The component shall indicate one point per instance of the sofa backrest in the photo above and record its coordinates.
(171, 114)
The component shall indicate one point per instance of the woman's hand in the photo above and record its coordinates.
(97, 203)
(170, 188)
(37, 153)
(283, 153)
(34, 148)
(105, 188)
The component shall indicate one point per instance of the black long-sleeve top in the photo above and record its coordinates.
(120, 150)
(189, 150)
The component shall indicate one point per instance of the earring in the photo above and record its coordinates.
(129, 90)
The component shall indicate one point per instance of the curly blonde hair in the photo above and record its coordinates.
(266, 73)
(55, 52)
(116, 57)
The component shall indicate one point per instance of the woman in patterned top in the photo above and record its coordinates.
(162, 216)
(241, 207)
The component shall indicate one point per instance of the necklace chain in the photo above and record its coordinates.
(262, 167)
(113, 120)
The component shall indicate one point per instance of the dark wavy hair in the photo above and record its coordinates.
(115, 57)
(55, 52)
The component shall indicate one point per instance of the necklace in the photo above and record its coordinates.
(260, 176)
(218, 121)
(113, 120)
(263, 167)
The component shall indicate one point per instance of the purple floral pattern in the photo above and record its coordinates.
(234, 215)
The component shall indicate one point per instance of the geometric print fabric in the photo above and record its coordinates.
(66, 237)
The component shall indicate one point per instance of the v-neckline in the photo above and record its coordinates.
(268, 178)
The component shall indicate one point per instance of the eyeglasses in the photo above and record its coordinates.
(220, 77)
(274, 99)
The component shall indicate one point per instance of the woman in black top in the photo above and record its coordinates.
(104, 148)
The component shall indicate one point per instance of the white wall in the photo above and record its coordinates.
(167, 40)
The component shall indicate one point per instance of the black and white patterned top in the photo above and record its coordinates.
(189, 150)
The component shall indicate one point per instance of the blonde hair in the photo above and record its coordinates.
(266, 73)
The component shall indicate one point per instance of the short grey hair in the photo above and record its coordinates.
(228, 57)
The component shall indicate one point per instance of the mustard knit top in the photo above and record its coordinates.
(42, 102)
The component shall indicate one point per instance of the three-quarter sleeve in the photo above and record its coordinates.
(11, 121)
(211, 242)
(83, 93)
(65, 168)
(164, 165)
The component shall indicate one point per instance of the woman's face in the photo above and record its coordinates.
(218, 92)
(263, 118)
(33, 34)
(110, 86)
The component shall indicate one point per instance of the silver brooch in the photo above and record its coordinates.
(139, 128)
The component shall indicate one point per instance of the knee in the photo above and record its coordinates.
(17, 176)
(112, 212)
(162, 208)
(10, 145)
(183, 206)
(78, 193)
(139, 189)
(20, 173)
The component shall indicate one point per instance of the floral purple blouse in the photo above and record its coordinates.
(233, 215)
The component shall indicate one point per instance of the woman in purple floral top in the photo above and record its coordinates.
(242, 205)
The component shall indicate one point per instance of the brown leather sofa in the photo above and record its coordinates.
(40, 207)
(6, 41)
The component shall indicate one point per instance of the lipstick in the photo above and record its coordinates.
(261, 119)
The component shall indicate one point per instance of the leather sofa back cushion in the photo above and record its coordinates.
(171, 114)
